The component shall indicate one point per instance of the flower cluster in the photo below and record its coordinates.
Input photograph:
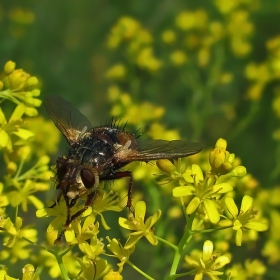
(137, 41)
(208, 198)
(27, 172)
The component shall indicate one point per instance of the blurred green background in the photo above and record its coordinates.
(64, 43)
(214, 66)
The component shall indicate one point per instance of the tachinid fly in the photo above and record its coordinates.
(98, 153)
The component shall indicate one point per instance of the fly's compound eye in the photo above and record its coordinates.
(89, 178)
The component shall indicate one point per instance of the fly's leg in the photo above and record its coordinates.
(90, 198)
(123, 174)
(57, 199)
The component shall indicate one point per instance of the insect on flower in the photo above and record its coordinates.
(98, 153)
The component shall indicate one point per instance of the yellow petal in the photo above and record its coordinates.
(212, 211)
(193, 205)
(231, 206)
(246, 204)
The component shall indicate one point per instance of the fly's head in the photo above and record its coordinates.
(74, 179)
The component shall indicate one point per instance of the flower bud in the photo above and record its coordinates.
(118, 71)
(31, 81)
(9, 67)
(220, 159)
(31, 112)
(44, 160)
(17, 79)
(11, 167)
(166, 166)
(28, 272)
(239, 171)
(35, 92)
(113, 275)
(217, 158)
(33, 102)
(221, 143)
(226, 168)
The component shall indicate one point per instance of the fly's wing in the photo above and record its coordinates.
(149, 149)
(68, 119)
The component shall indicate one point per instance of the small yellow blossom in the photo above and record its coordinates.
(147, 61)
(168, 36)
(9, 67)
(140, 226)
(116, 72)
(240, 220)
(185, 20)
(203, 56)
(119, 251)
(208, 263)
(28, 272)
(178, 57)
(22, 16)
(113, 275)
(202, 193)
(226, 7)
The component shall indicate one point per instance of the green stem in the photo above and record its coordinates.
(16, 213)
(181, 248)
(19, 168)
(57, 255)
(63, 270)
(210, 230)
(167, 243)
(39, 246)
(192, 272)
(139, 270)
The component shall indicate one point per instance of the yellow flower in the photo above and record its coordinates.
(178, 57)
(242, 219)
(113, 275)
(226, 7)
(158, 131)
(208, 262)
(28, 272)
(116, 72)
(9, 67)
(23, 196)
(43, 130)
(185, 20)
(168, 36)
(119, 251)
(217, 30)
(92, 269)
(93, 249)
(255, 91)
(221, 161)
(202, 193)
(128, 27)
(140, 226)
(146, 60)
(7, 129)
(4, 275)
(22, 16)
(17, 79)
(14, 232)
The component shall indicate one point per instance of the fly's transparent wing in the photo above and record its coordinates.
(150, 149)
(68, 119)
